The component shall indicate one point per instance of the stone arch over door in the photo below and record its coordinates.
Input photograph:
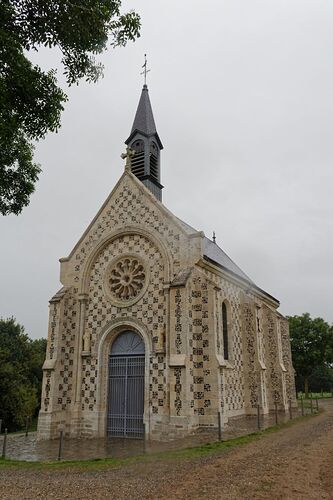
(107, 340)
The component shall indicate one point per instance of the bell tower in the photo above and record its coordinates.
(145, 142)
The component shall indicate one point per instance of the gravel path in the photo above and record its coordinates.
(294, 463)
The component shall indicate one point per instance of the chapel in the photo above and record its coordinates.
(156, 331)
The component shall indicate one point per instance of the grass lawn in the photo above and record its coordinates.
(315, 395)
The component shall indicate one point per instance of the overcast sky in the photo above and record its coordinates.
(242, 97)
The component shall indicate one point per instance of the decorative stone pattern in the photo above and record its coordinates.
(250, 351)
(88, 387)
(260, 336)
(286, 353)
(178, 315)
(230, 380)
(61, 340)
(273, 362)
(54, 323)
(263, 387)
(178, 390)
(150, 310)
(129, 207)
(261, 354)
(47, 388)
(158, 377)
(234, 378)
(282, 366)
(199, 346)
(69, 331)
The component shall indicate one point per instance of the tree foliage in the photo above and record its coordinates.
(21, 361)
(311, 345)
(31, 102)
(320, 380)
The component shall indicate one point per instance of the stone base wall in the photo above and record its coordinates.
(50, 425)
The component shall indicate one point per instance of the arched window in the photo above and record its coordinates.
(225, 331)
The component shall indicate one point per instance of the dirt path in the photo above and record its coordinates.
(294, 463)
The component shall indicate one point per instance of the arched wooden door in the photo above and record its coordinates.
(126, 386)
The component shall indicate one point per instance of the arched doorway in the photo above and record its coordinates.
(126, 386)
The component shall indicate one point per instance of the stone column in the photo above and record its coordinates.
(47, 420)
(287, 362)
(177, 351)
(82, 346)
(261, 360)
(249, 353)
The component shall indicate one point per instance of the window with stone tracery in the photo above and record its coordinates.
(126, 279)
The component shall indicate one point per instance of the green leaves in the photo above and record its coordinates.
(30, 100)
(18, 172)
(21, 362)
(311, 343)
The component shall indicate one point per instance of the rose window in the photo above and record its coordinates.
(127, 278)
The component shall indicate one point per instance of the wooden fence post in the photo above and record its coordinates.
(4, 444)
(61, 439)
(219, 417)
(258, 416)
(26, 426)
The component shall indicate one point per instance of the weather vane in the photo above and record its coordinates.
(145, 70)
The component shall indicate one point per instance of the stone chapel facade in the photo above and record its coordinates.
(155, 329)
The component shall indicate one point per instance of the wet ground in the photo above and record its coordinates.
(28, 448)
(294, 463)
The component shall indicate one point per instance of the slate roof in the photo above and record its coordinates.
(144, 119)
(214, 253)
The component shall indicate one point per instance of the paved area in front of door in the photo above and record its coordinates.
(20, 447)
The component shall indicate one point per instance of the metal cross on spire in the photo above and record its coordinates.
(145, 70)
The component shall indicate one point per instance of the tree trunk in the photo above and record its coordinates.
(306, 387)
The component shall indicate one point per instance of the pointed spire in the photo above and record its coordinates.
(144, 119)
(144, 122)
(146, 145)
